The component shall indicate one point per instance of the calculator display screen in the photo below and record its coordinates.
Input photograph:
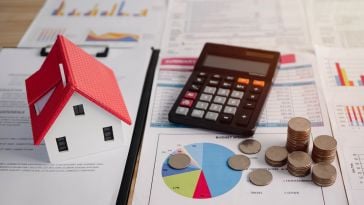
(252, 67)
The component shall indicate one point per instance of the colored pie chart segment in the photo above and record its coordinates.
(208, 174)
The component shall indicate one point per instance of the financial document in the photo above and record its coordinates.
(116, 23)
(25, 172)
(255, 23)
(336, 23)
(157, 183)
(343, 82)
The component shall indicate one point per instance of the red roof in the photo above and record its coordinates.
(83, 73)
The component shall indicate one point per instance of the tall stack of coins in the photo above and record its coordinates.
(276, 156)
(298, 135)
(324, 149)
(324, 174)
(299, 163)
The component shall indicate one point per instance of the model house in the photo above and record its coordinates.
(75, 104)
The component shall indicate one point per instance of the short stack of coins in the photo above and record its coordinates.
(298, 134)
(276, 156)
(324, 149)
(324, 174)
(299, 163)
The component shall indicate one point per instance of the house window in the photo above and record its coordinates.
(108, 134)
(62, 144)
(78, 109)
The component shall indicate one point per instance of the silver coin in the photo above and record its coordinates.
(260, 177)
(250, 146)
(325, 142)
(239, 162)
(179, 161)
(299, 124)
(276, 156)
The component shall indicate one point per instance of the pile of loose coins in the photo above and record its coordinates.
(294, 154)
(258, 177)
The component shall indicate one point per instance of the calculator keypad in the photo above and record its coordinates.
(221, 99)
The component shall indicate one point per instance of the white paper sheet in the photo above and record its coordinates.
(250, 23)
(162, 138)
(336, 23)
(342, 76)
(117, 23)
(26, 175)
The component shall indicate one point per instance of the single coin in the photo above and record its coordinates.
(179, 161)
(325, 142)
(250, 146)
(299, 124)
(239, 162)
(260, 177)
(276, 155)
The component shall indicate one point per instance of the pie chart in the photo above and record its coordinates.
(208, 174)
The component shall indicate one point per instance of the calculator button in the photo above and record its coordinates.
(201, 105)
(209, 90)
(199, 80)
(249, 105)
(219, 100)
(240, 87)
(205, 97)
(237, 94)
(211, 116)
(230, 78)
(213, 82)
(230, 110)
(225, 118)
(197, 113)
(244, 81)
(216, 76)
(258, 83)
(181, 111)
(226, 85)
(215, 107)
(253, 97)
(244, 117)
(190, 95)
(256, 89)
(233, 102)
(186, 103)
(195, 87)
(223, 92)
(202, 74)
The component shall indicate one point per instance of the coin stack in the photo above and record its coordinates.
(298, 135)
(299, 163)
(324, 149)
(324, 174)
(276, 156)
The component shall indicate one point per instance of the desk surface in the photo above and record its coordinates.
(13, 26)
(15, 17)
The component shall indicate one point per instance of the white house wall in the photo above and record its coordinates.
(84, 133)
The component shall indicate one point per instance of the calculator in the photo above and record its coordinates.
(227, 89)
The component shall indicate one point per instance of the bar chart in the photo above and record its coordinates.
(70, 8)
(345, 72)
(350, 116)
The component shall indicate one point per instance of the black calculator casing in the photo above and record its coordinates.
(238, 123)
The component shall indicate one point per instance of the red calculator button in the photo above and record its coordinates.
(258, 83)
(190, 95)
(243, 81)
(186, 103)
